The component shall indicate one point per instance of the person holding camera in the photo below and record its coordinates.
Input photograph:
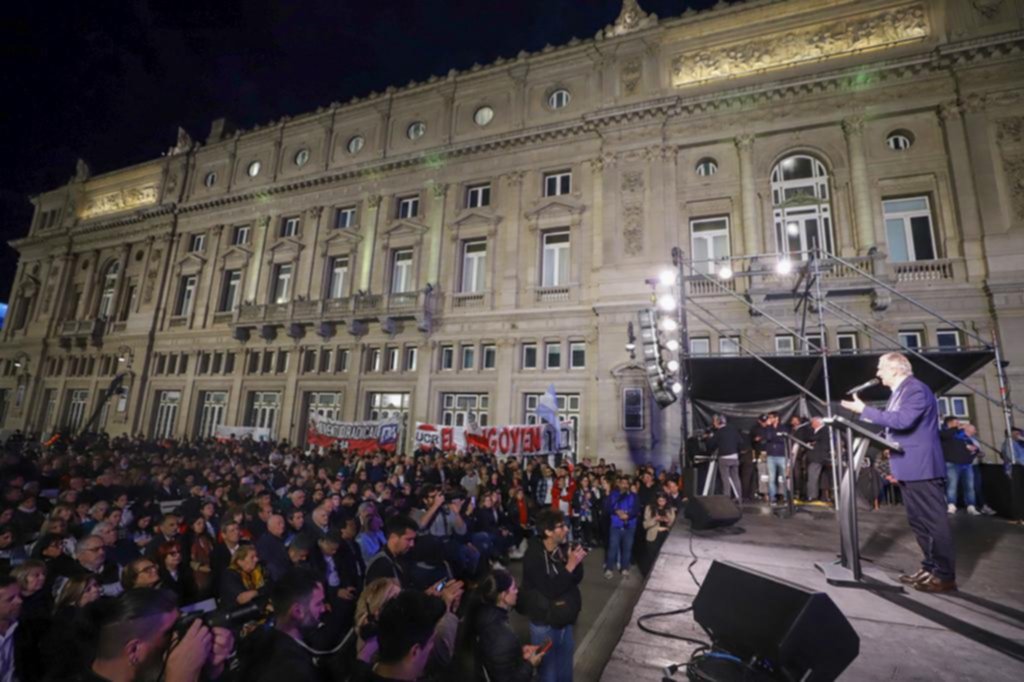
(658, 519)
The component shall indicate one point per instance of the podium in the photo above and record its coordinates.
(846, 572)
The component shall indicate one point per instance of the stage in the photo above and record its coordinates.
(974, 634)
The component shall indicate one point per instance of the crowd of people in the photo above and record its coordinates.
(126, 558)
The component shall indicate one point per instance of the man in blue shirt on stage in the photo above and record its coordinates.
(911, 419)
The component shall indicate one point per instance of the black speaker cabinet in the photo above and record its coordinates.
(712, 511)
(801, 633)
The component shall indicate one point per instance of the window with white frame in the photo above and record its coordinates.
(408, 207)
(555, 259)
(325, 404)
(212, 411)
(812, 343)
(337, 286)
(801, 206)
(75, 412)
(577, 355)
(633, 409)
(729, 345)
(474, 264)
(709, 242)
(411, 358)
(468, 357)
(393, 361)
(345, 217)
(264, 407)
(231, 289)
(559, 99)
(948, 339)
(401, 271)
(447, 357)
(700, 345)
(899, 140)
(197, 243)
(557, 183)
(326, 358)
(552, 355)
(954, 406)
(910, 339)
(706, 167)
(529, 360)
(240, 236)
(478, 196)
(166, 416)
(465, 409)
(342, 360)
(846, 342)
(290, 226)
(387, 406)
(186, 295)
(785, 344)
(281, 290)
(908, 229)
(489, 354)
(373, 360)
(569, 408)
(110, 278)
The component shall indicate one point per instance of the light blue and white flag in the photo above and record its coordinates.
(547, 411)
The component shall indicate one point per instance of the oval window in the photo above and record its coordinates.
(416, 130)
(210, 179)
(483, 116)
(355, 144)
(559, 99)
(254, 169)
(302, 157)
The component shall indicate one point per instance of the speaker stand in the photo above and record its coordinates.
(840, 576)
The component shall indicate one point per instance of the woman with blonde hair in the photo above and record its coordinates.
(244, 580)
(368, 608)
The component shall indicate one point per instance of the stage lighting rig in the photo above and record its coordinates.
(653, 349)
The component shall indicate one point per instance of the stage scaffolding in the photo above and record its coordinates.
(813, 283)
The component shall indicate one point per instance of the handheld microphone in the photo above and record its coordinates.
(865, 385)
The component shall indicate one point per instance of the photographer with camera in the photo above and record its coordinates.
(135, 642)
(658, 519)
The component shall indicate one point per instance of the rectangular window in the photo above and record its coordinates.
(309, 361)
(812, 343)
(846, 342)
(345, 217)
(282, 362)
(784, 344)
(700, 345)
(263, 409)
(465, 409)
(196, 243)
(478, 196)
(128, 303)
(729, 345)
(490, 356)
(240, 236)
(254, 363)
(268, 362)
(577, 355)
(212, 411)
(411, 357)
(529, 356)
(393, 364)
(468, 357)
(166, 416)
(229, 363)
(948, 339)
(633, 409)
(186, 295)
(401, 271)
(204, 363)
(290, 226)
(218, 362)
(282, 286)
(408, 207)
(908, 229)
(342, 365)
(910, 339)
(954, 406)
(447, 357)
(709, 243)
(557, 183)
(230, 290)
(373, 360)
(326, 356)
(552, 355)
(555, 259)
(474, 264)
(338, 277)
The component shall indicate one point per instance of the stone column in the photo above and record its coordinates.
(366, 246)
(597, 218)
(85, 305)
(435, 221)
(853, 129)
(748, 196)
(965, 191)
(253, 267)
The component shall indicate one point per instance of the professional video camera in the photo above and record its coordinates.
(207, 612)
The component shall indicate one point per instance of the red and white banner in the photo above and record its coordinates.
(520, 439)
(361, 438)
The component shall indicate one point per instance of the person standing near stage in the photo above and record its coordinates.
(726, 440)
(819, 457)
(911, 419)
(773, 440)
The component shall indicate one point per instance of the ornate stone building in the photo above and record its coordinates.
(450, 248)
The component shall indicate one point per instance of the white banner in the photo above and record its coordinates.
(518, 439)
(257, 433)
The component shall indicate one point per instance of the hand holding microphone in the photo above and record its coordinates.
(857, 405)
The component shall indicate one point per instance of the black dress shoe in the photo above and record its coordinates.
(915, 578)
(935, 585)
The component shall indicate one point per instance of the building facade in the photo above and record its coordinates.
(447, 250)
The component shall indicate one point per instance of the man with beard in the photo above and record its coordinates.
(282, 653)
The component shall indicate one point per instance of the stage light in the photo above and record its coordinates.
(793, 229)
(673, 365)
(784, 266)
(725, 272)
(667, 277)
(672, 345)
(669, 324)
(120, 358)
(677, 388)
(667, 302)
(630, 347)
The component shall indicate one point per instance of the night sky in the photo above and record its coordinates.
(111, 81)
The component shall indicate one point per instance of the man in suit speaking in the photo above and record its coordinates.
(911, 419)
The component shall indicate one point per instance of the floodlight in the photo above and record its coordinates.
(667, 277)
(667, 302)
(784, 266)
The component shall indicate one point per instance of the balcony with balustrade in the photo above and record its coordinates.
(81, 333)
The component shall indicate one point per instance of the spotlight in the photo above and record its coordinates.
(784, 266)
(672, 365)
(120, 358)
(668, 324)
(677, 388)
(630, 347)
(17, 364)
(672, 345)
(667, 277)
(667, 302)
(725, 272)
(793, 229)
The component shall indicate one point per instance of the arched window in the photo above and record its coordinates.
(800, 206)
(110, 276)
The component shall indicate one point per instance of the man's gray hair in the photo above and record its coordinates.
(899, 363)
(720, 417)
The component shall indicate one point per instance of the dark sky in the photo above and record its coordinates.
(111, 81)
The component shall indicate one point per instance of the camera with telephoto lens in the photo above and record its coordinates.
(207, 612)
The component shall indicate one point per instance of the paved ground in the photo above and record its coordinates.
(974, 634)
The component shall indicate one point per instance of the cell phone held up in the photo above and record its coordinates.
(545, 647)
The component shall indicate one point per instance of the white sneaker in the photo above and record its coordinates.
(497, 566)
(951, 509)
(987, 510)
(625, 573)
(972, 511)
(608, 575)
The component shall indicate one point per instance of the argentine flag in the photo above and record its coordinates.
(547, 411)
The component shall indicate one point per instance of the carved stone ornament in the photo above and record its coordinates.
(631, 18)
(183, 145)
(632, 70)
(1014, 169)
(1010, 130)
(633, 229)
(827, 40)
(633, 181)
(515, 178)
(987, 8)
(853, 125)
(439, 190)
(120, 200)
(82, 172)
(373, 201)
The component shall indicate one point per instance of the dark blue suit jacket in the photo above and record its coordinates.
(912, 419)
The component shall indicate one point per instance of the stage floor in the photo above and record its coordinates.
(976, 633)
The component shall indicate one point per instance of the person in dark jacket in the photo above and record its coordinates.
(272, 549)
(551, 593)
(496, 645)
(818, 457)
(958, 453)
(726, 442)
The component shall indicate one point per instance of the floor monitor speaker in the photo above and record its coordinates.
(712, 511)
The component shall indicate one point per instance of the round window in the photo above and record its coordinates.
(302, 157)
(355, 144)
(254, 169)
(899, 140)
(416, 130)
(706, 167)
(559, 99)
(210, 179)
(483, 116)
